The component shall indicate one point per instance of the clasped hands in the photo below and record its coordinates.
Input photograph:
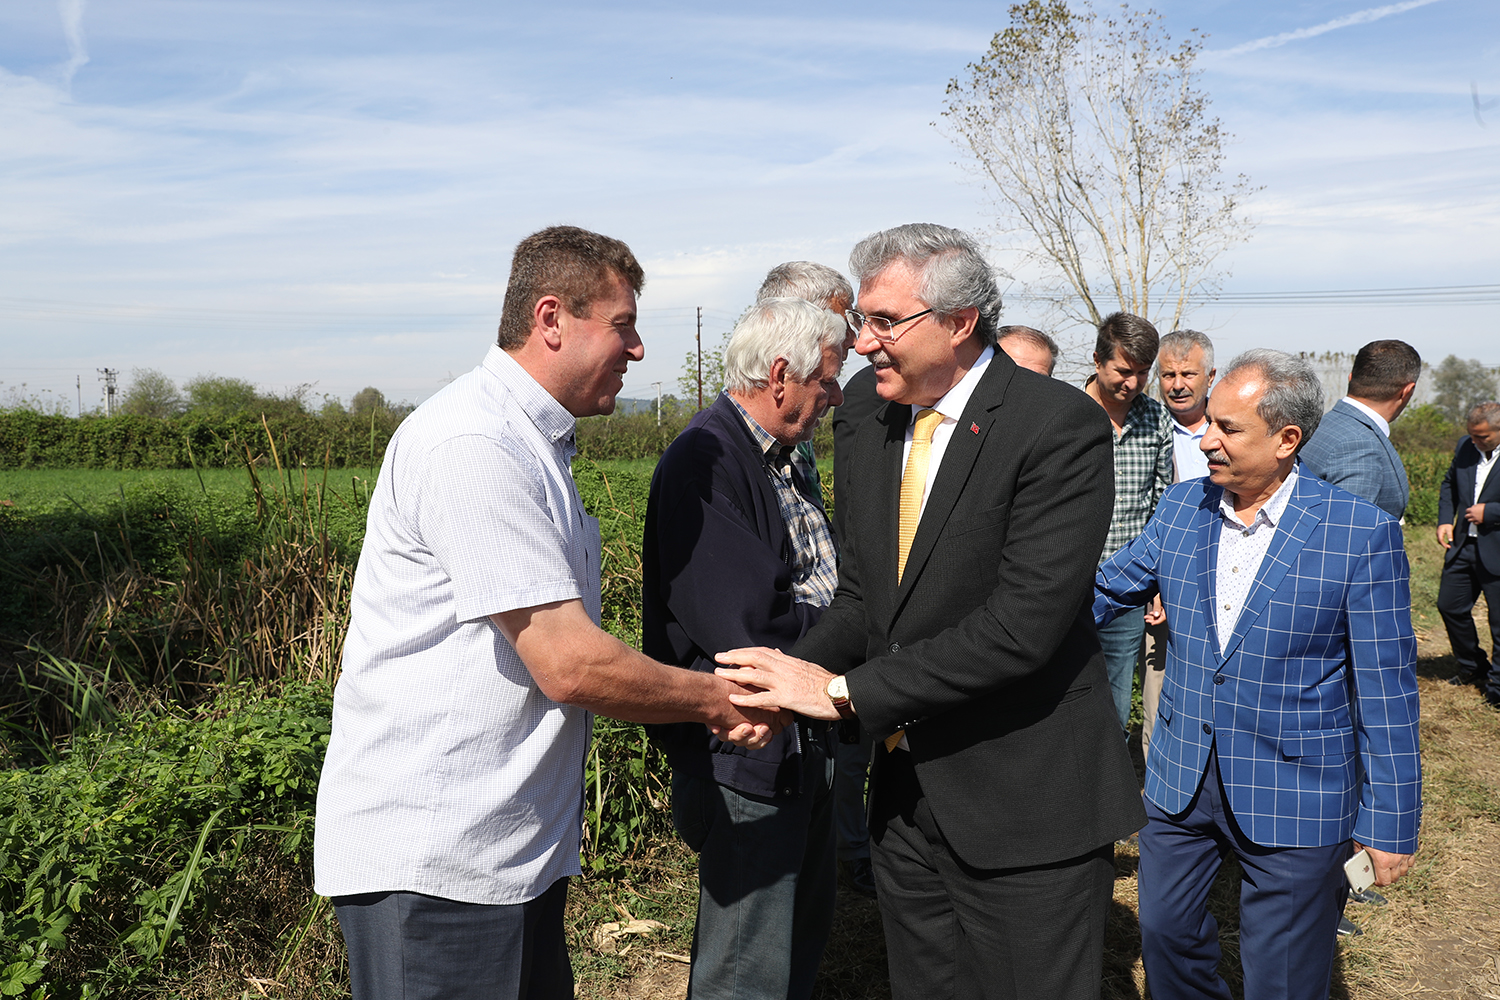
(772, 683)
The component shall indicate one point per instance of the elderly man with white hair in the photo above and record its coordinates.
(738, 552)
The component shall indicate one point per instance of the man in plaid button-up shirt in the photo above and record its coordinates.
(1123, 355)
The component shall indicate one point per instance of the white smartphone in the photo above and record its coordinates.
(1360, 871)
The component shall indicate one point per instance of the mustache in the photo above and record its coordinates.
(1216, 456)
(880, 359)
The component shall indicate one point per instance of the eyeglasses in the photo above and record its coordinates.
(880, 327)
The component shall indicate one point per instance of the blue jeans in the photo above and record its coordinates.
(766, 882)
(1122, 640)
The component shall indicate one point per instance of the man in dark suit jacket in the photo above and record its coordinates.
(1352, 445)
(1002, 782)
(1469, 504)
(737, 550)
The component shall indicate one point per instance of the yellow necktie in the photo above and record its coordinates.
(913, 485)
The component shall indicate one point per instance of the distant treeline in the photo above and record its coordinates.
(31, 440)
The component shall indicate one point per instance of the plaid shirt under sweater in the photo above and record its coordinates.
(800, 498)
(1143, 470)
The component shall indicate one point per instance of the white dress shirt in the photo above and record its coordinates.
(951, 406)
(1481, 476)
(1241, 550)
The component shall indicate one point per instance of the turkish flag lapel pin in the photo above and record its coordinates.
(974, 427)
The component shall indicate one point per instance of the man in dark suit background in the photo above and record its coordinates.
(1469, 528)
(960, 636)
(1352, 445)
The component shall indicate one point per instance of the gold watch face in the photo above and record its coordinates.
(838, 689)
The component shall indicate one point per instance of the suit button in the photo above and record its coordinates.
(1218, 678)
(1208, 729)
(895, 647)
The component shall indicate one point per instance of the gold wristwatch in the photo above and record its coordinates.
(838, 693)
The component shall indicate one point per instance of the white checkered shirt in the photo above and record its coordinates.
(1143, 470)
(815, 572)
(449, 772)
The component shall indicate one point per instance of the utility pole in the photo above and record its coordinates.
(658, 402)
(700, 357)
(107, 376)
(79, 380)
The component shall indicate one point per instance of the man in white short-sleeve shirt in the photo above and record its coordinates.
(451, 801)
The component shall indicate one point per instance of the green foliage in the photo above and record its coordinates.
(151, 394)
(216, 396)
(1425, 428)
(1425, 471)
(367, 400)
(634, 435)
(31, 440)
(627, 795)
(114, 860)
(1458, 385)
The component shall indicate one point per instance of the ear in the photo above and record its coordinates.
(546, 319)
(1406, 393)
(964, 322)
(776, 379)
(1291, 437)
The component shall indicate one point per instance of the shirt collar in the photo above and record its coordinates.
(952, 404)
(1179, 429)
(1270, 512)
(1381, 423)
(769, 447)
(549, 416)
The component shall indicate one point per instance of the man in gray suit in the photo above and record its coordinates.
(1352, 446)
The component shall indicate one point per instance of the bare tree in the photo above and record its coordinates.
(1103, 158)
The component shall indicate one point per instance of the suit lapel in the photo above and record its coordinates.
(1302, 515)
(1209, 525)
(885, 517)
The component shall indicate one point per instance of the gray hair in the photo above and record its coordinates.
(953, 272)
(1293, 396)
(1485, 413)
(1180, 343)
(789, 328)
(803, 279)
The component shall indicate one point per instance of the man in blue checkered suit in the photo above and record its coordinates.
(1288, 720)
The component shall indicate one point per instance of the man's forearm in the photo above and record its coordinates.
(576, 663)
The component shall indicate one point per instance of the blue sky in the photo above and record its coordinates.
(329, 193)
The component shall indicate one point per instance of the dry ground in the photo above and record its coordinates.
(1439, 936)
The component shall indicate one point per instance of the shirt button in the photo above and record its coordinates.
(1208, 729)
(1226, 607)
(895, 647)
(1218, 678)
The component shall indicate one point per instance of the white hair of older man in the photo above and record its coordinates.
(793, 329)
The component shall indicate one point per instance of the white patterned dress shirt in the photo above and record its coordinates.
(1241, 549)
(1481, 476)
(449, 772)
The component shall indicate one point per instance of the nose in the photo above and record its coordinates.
(865, 343)
(635, 349)
(836, 395)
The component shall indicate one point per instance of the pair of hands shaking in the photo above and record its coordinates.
(776, 685)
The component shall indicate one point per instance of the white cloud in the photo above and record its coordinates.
(71, 12)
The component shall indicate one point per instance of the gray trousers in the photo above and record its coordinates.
(1153, 672)
(407, 946)
(767, 879)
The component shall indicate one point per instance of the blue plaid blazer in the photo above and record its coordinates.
(1313, 703)
(1348, 450)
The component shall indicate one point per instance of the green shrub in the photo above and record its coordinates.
(114, 860)
(1425, 471)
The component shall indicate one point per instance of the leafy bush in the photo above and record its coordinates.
(115, 859)
(1425, 471)
(1425, 428)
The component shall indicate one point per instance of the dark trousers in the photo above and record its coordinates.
(407, 946)
(766, 882)
(1464, 579)
(1291, 899)
(952, 930)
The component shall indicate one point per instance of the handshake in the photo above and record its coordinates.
(765, 689)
